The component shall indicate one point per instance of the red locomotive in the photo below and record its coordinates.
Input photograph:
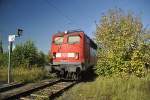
(73, 53)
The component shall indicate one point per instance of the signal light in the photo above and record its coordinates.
(19, 32)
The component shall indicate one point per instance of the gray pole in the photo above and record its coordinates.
(11, 39)
(9, 62)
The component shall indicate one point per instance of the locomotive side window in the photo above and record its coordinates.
(73, 39)
(58, 40)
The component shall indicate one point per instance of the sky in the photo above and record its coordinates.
(41, 18)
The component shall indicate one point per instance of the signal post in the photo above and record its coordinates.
(11, 39)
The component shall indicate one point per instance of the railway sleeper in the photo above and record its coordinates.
(41, 96)
(49, 92)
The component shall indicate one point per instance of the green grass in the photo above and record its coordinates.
(22, 74)
(110, 88)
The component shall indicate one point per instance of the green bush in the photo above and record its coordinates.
(41, 60)
(123, 48)
(3, 59)
(27, 54)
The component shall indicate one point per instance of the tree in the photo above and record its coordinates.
(3, 59)
(120, 35)
(1, 46)
(41, 59)
(3, 56)
(25, 54)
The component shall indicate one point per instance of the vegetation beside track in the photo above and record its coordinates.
(124, 44)
(24, 74)
(27, 63)
(110, 88)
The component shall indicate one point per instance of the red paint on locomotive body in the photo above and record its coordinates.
(65, 51)
(73, 48)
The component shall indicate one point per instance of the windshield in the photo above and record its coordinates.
(58, 40)
(73, 39)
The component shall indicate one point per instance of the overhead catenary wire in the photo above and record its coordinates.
(61, 13)
(71, 22)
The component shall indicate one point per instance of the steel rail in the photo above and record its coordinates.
(50, 92)
(26, 89)
(7, 87)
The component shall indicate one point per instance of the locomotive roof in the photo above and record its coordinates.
(67, 32)
(73, 31)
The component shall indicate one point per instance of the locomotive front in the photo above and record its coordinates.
(67, 51)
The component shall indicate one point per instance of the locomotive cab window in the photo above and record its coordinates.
(73, 39)
(58, 40)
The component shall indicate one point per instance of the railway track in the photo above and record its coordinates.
(10, 86)
(49, 92)
(38, 91)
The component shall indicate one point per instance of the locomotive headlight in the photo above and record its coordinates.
(58, 55)
(73, 55)
(76, 55)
